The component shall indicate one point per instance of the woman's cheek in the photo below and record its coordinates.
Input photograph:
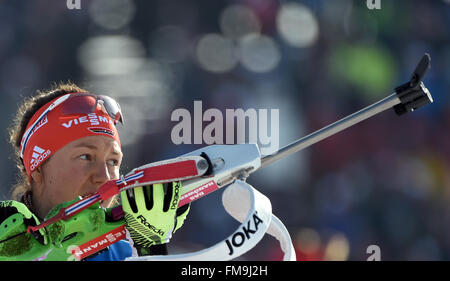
(73, 178)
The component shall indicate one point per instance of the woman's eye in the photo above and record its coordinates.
(113, 162)
(85, 157)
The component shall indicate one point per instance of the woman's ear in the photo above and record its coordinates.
(37, 177)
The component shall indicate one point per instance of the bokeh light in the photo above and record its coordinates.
(112, 14)
(259, 53)
(297, 25)
(111, 54)
(216, 53)
(337, 249)
(238, 20)
(308, 243)
(371, 70)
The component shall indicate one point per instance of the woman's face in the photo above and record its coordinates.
(79, 169)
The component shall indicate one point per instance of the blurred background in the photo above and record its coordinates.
(383, 182)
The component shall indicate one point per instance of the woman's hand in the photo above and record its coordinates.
(152, 214)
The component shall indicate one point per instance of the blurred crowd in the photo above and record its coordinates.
(382, 182)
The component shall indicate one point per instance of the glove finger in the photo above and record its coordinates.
(176, 195)
(139, 197)
(128, 201)
(158, 196)
(172, 196)
(168, 194)
(148, 196)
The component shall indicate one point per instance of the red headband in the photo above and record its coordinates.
(55, 129)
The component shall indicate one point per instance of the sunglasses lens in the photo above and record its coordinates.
(84, 103)
(113, 108)
(79, 104)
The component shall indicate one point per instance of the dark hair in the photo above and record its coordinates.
(24, 114)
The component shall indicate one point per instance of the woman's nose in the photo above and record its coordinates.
(101, 174)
